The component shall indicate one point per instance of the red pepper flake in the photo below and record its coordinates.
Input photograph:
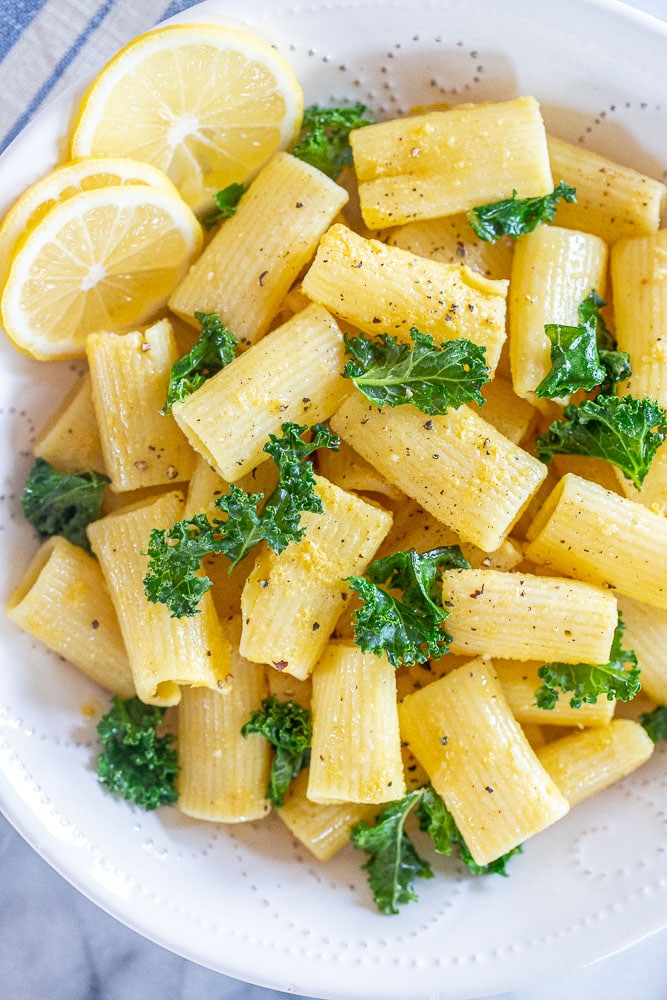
(478, 593)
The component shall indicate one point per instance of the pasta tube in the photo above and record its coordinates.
(71, 442)
(324, 828)
(585, 531)
(356, 748)
(553, 270)
(520, 616)
(462, 731)
(130, 374)
(256, 255)
(63, 601)
(614, 202)
(292, 599)
(293, 374)
(584, 763)
(457, 466)
(443, 162)
(224, 775)
(164, 652)
(382, 289)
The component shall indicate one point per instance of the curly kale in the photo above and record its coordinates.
(136, 762)
(63, 503)
(407, 630)
(324, 140)
(174, 554)
(517, 216)
(427, 375)
(289, 729)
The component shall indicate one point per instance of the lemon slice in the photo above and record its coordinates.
(102, 260)
(63, 182)
(208, 105)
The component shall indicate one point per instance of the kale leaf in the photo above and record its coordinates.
(174, 554)
(135, 762)
(435, 819)
(63, 503)
(394, 863)
(583, 356)
(517, 216)
(619, 429)
(655, 723)
(214, 349)
(324, 140)
(226, 202)
(588, 681)
(407, 630)
(431, 376)
(288, 727)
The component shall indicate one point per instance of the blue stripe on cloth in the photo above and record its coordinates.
(176, 6)
(15, 17)
(61, 66)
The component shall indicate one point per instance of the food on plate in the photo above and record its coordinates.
(346, 566)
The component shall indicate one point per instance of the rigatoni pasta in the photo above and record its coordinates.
(293, 374)
(142, 447)
(292, 599)
(520, 616)
(462, 731)
(383, 289)
(224, 775)
(164, 652)
(591, 533)
(457, 466)
(553, 555)
(271, 236)
(443, 162)
(356, 753)
(63, 601)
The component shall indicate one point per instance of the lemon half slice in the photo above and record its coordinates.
(206, 104)
(59, 185)
(102, 260)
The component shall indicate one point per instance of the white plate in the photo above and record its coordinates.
(248, 901)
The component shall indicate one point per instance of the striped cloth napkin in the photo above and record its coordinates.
(46, 45)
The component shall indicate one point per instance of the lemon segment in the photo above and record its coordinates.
(208, 105)
(60, 184)
(105, 259)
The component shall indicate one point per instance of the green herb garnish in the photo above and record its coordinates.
(517, 216)
(215, 348)
(624, 431)
(63, 503)
(407, 629)
(583, 356)
(324, 140)
(175, 554)
(589, 681)
(655, 723)
(394, 864)
(430, 376)
(226, 202)
(289, 729)
(135, 762)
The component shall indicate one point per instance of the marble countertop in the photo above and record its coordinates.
(57, 945)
